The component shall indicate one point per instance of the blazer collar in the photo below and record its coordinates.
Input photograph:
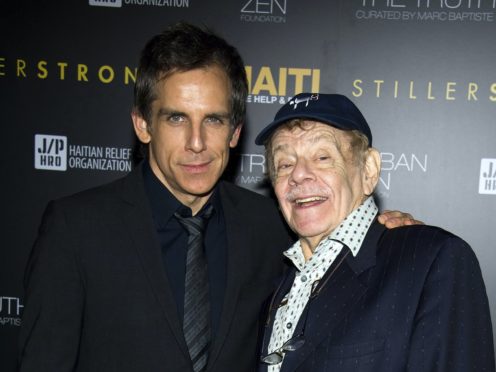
(366, 257)
(325, 313)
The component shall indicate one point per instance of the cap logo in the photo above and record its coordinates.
(296, 101)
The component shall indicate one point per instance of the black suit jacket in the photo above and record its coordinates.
(413, 299)
(97, 295)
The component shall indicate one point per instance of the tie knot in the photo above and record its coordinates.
(195, 225)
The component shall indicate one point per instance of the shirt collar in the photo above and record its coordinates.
(350, 233)
(354, 227)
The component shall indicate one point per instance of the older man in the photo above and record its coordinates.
(360, 297)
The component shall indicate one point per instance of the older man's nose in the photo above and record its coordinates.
(302, 172)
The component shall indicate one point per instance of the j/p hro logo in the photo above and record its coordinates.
(50, 152)
(487, 179)
(53, 152)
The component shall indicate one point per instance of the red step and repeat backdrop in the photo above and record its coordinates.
(422, 72)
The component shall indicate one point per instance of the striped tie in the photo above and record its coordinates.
(196, 322)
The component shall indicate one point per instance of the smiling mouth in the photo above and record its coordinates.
(310, 200)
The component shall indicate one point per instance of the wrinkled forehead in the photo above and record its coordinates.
(308, 131)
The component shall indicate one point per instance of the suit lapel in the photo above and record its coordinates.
(137, 219)
(337, 298)
(238, 261)
(278, 296)
(325, 312)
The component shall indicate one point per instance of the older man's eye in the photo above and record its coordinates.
(284, 166)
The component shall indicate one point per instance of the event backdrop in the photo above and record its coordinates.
(422, 72)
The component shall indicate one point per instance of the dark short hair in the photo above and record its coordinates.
(183, 47)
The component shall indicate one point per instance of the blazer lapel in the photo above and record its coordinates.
(338, 297)
(277, 297)
(137, 219)
(325, 312)
(238, 261)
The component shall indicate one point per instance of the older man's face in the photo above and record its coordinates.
(316, 180)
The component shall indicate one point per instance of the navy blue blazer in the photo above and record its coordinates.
(413, 299)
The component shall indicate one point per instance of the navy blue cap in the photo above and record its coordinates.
(333, 109)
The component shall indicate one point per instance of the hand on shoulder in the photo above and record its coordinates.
(392, 219)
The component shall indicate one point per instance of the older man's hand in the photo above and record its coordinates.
(392, 219)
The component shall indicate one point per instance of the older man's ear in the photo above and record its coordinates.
(371, 171)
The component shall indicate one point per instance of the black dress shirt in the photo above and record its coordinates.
(173, 240)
